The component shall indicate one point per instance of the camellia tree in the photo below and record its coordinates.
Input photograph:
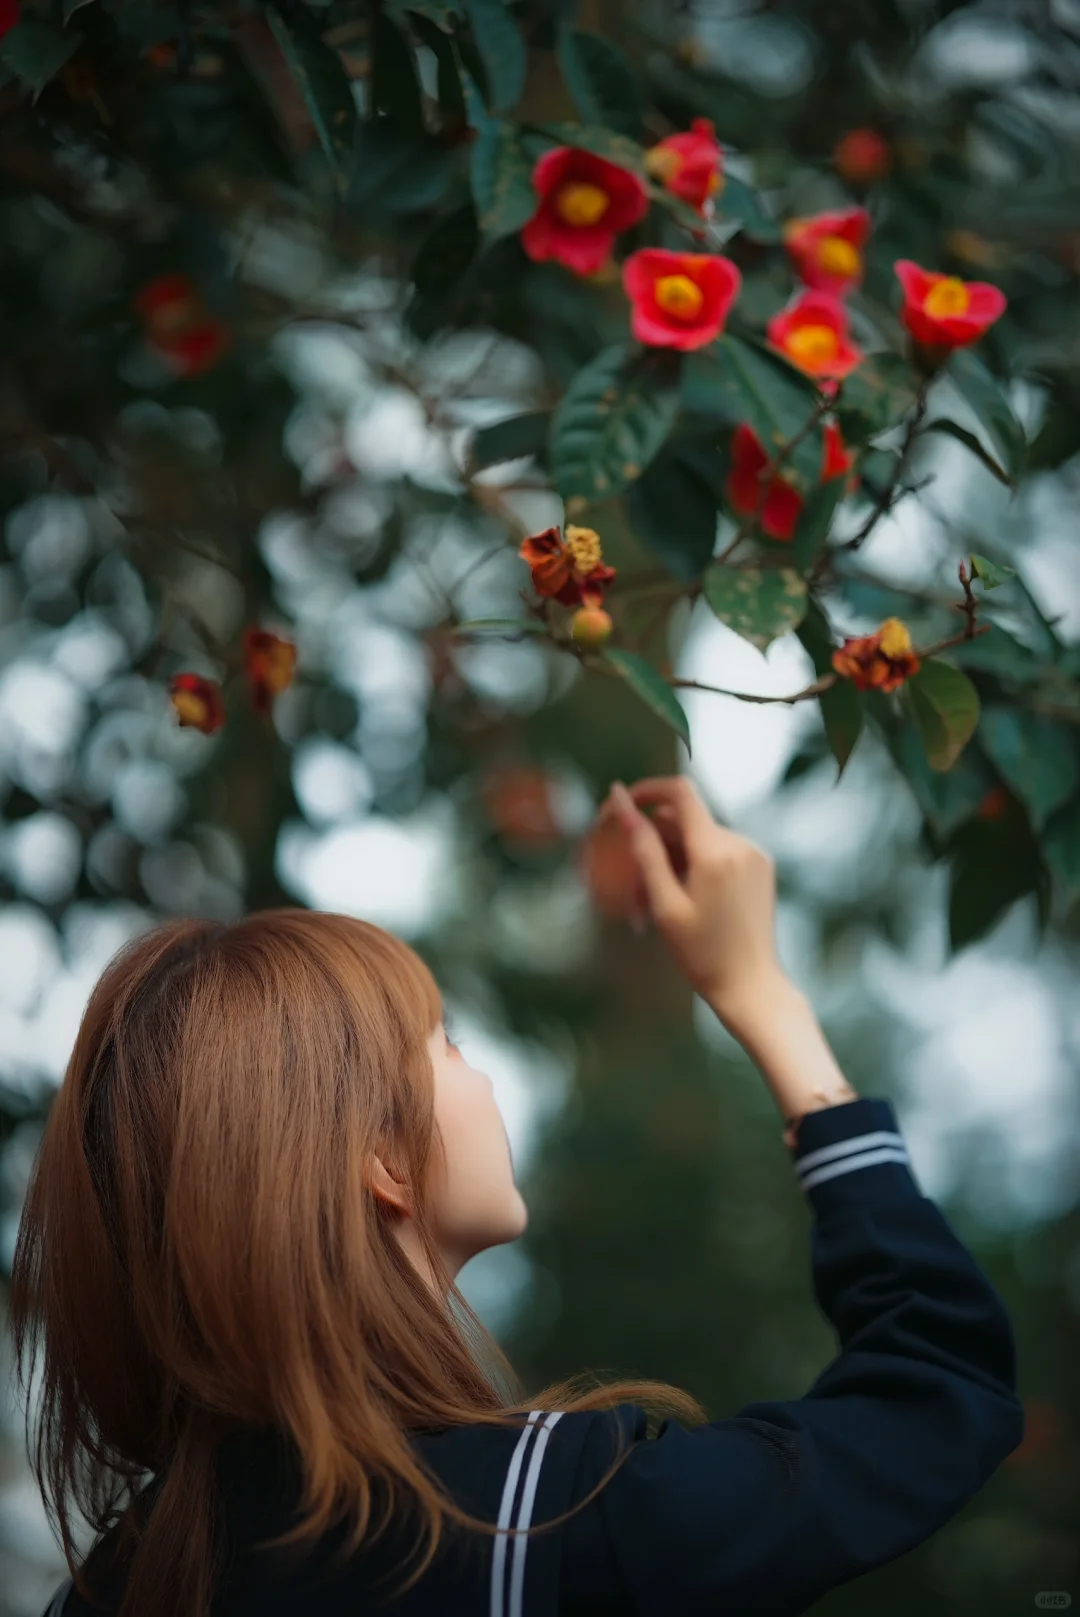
(747, 340)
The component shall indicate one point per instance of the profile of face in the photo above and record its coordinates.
(473, 1200)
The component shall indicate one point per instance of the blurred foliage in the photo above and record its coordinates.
(272, 356)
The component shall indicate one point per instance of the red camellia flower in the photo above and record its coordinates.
(269, 664)
(826, 249)
(879, 661)
(9, 16)
(198, 702)
(862, 155)
(688, 165)
(942, 311)
(584, 202)
(775, 502)
(178, 326)
(812, 333)
(570, 570)
(680, 300)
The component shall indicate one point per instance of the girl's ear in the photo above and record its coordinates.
(382, 1184)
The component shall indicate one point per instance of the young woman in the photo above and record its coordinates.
(263, 1171)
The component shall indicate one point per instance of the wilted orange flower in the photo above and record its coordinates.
(880, 661)
(178, 326)
(518, 801)
(826, 249)
(688, 164)
(198, 702)
(269, 664)
(570, 570)
(862, 155)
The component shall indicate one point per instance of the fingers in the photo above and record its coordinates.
(665, 893)
(677, 794)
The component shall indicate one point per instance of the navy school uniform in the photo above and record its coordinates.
(760, 1513)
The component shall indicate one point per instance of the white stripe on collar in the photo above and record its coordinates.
(524, 1518)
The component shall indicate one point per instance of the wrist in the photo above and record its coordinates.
(754, 1004)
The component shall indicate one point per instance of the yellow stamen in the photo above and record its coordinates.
(949, 296)
(893, 638)
(662, 164)
(190, 709)
(678, 295)
(837, 256)
(584, 545)
(812, 345)
(716, 182)
(580, 203)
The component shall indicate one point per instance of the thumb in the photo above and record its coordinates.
(665, 892)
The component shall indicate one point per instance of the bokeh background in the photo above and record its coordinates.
(316, 480)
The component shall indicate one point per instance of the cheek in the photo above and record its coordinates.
(477, 1154)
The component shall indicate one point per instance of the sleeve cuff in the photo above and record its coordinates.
(853, 1152)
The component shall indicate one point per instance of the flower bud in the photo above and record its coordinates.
(591, 626)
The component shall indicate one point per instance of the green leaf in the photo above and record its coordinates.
(327, 91)
(841, 706)
(502, 626)
(447, 250)
(1061, 844)
(993, 410)
(653, 689)
(508, 440)
(501, 180)
(610, 422)
(448, 87)
(502, 49)
(395, 173)
(672, 507)
(996, 652)
(946, 799)
(756, 604)
(739, 201)
(946, 708)
(1035, 756)
(601, 81)
(441, 13)
(36, 51)
(70, 7)
(735, 380)
(875, 396)
(968, 439)
(596, 138)
(992, 573)
(815, 520)
(993, 864)
(395, 80)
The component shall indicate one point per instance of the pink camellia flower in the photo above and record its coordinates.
(9, 15)
(944, 312)
(862, 155)
(826, 249)
(813, 334)
(689, 164)
(584, 202)
(680, 300)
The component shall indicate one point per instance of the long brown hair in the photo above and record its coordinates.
(200, 1250)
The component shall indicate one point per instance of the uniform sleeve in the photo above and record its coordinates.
(764, 1512)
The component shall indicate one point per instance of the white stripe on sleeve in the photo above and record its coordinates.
(528, 1498)
(844, 1148)
(865, 1159)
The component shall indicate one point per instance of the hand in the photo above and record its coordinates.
(711, 893)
